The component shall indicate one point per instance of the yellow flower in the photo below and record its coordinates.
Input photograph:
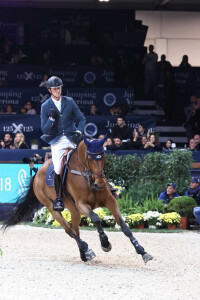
(170, 218)
(66, 215)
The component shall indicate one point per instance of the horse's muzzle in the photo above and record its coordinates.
(98, 187)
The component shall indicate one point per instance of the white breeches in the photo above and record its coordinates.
(58, 150)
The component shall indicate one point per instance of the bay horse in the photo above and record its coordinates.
(87, 188)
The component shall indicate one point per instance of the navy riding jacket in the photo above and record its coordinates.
(69, 115)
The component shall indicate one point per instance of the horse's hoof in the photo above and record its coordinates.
(107, 249)
(89, 254)
(146, 257)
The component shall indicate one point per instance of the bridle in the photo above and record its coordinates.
(88, 173)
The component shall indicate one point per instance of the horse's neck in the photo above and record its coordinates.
(82, 153)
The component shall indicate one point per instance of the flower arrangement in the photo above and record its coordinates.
(134, 220)
(118, 188)
(108, 221)
(100, 212)
(67, 216)
(172, 218)
(152, 218)
(40, 215)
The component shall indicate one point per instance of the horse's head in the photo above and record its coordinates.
(95, 157)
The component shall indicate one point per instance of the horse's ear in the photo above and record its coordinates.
(103, 139)
(85, 141)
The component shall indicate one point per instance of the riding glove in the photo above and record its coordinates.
(77, 138)
(53, 114)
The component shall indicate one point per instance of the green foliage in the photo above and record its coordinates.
(183, 205)
(125, 204)
(153, 168)
(142, 177)
(139, 191)
(150, 203)
(177, 169)
(122, 170)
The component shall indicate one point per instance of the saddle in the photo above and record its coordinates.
(64, 167)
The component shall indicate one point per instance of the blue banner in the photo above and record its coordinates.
(30, 125)
(103, 98)
(31, 76)
(13, 181)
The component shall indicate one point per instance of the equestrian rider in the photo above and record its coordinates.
(58, 115)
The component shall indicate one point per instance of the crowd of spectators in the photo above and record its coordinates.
(193, 191)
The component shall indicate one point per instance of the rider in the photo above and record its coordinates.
(58, 116)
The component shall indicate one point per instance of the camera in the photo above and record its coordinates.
(34, 159)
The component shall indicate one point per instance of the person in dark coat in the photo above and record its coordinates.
(58, 117)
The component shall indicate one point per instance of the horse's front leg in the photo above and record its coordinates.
(87, 211)
(112, 205)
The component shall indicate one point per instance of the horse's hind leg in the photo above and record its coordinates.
(87, 211)
(86, 253)
(111, 204)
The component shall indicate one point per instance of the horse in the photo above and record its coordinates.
(85, 188)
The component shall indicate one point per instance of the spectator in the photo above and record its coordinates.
(141, 146)
(138, 133)
(9, 109)
(108, 144)
(191, 145)
(153, 143)
(7, 141)
(184, 63)
(19, 141)
(196, 213)
(28, 109)
(169, 194)
(115, 110)
(136, 143)
(197, 142)
(40, 159)
(94, 110)
(46, 57)
(7, 54)
(121, 130)
(192, 123)
(23, 58)
(168, 145)
(44, 80)
(118, 145)
(149, 62)
(165, 83)
(194, 191)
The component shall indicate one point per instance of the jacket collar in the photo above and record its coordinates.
(63, 103)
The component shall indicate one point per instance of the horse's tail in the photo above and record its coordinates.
(25, 205)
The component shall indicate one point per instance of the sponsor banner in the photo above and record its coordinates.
(187, 81)
(13, 181)
(30, 125)
(31, 76)
(103, 98)
(97, 125)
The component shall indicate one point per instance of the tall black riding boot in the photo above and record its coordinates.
(58, 202)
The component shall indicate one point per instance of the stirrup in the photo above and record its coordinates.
(58, 205)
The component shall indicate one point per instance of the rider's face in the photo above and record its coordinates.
(56, 92)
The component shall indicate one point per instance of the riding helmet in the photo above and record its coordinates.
(53, 82)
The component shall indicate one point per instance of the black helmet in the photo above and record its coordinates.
(53, 82)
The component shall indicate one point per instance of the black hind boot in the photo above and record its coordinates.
(58, 202)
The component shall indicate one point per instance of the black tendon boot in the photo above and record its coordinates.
(58, 202)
